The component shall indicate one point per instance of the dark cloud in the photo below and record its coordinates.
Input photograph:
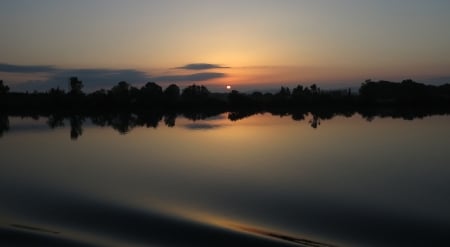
(202, 66)
(9, 68)
(438, 80)
(94, 79)
(190, 77)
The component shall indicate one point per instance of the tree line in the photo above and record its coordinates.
(124, 96)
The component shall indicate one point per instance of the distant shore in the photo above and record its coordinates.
(124, 97)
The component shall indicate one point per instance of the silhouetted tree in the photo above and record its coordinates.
(237, 99)
(56, 92)
(284, 92)
(408, 92)
(57, 98)
(283, 96)
(99, 93)
(304, 95)
(134, 94)
(297, 92)
(201, 102)
(122, 88)
(257, 96)
(172, 93)
(151, 94)
(194, 92)
(121, 94)
(152, 90)
(75, 86)
(314, 89)
(3, 88)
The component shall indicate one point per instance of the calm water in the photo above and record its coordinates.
(261, 181)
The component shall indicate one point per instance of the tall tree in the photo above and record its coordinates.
(195, 92)
(121, 89)
(3, 88)
(172, 92)
(152, 90)
(75, 86)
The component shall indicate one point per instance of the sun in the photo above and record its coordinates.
(228, 87)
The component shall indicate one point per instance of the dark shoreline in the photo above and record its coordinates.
(152, 97)
(124, 106)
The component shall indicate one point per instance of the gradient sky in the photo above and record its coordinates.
(246, 43)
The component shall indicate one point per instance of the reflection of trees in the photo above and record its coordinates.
(406, 113)
(299, 116)
(201, 115)
(280, 112)
(149, 119)
(169, 119)
(238, 115)
(315, 121)
(124, 122)
(76, 126)
(100, 120)
(55, 121)
(4, 124)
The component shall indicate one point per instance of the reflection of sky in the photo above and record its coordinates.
(263, 170)
(24, 125)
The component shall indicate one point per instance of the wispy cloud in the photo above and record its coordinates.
(202, 66)
(439, 80)
(190, 77)
(58, 77)
(103, 77)
(94, 79)
(10, 68)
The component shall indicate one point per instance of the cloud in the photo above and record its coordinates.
(93, 79)
(190, 77)
(438, 80)
(9, 68)
(96, 78)
(202, 66)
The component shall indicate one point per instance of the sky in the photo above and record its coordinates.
(249, 44)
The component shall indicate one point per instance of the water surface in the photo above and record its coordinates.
(261, 181)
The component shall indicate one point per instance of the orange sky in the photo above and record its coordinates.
(262, 42)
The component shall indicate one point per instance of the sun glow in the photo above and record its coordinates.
(228, 87)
